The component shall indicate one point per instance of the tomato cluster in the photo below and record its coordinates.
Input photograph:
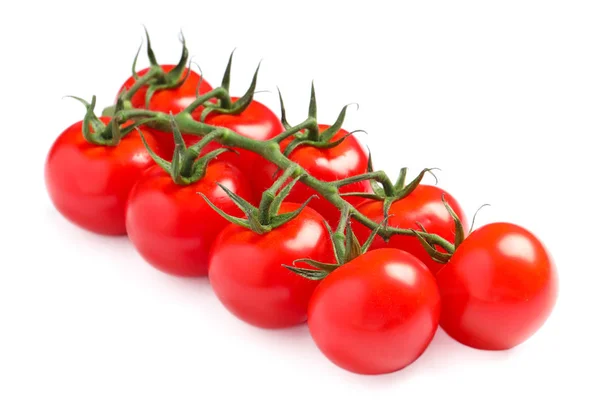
(373, 267)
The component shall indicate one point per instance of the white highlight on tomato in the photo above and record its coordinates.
(307, 235)
(517, 246)
(402, 272)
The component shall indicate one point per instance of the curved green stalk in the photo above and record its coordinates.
(270, 150)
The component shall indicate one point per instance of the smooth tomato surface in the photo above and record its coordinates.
(424, 205)
(89, 184)
(498, 289)
(172, 226)
(168, 101)
(257, 122)
(246, 271)
(342, 161)
(377, 313)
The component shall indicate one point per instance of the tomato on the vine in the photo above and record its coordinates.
(376, 314)
(169, 100)
(247, 274)
(172, 226)
(256, 122)
(423, 206)
(345, 160)
(498, 288)
(89, 183)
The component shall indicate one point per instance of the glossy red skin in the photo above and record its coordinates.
(169, 101)
(89, 184)
(247, 275)
(498, 289)
(257, 122)
(344, 160)
(172, 227)
(377, 314)
(424, 205)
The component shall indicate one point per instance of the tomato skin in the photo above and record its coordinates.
(376, 314)
(257, 122)
(424, 205)
(89, 184)
(342, 161)
(172, 227)
(498, 288)
(246, 272)
(168, 101)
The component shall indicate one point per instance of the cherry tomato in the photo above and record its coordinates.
(498, 288)
(424, 205)
(377, 313)
(169, 101)
(172, 227)
(257, 122)
(342, 161)
(89, 184)
(246, 272)
(172, 100)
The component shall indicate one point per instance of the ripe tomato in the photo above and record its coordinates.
(342, 161)
(89, 184)
(375, 314)
(257, 122)
(246, 272)
(424, 205)
(172, 226)
(498, 288)
(168, 101)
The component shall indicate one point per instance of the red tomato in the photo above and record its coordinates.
(498, 288)
(168, 101)
(257, 122)
(172, 226)
(246, 272)
(89, 184)
(375, 314)
(424, 205)
(342, 161)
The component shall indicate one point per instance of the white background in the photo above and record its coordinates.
(503, 96)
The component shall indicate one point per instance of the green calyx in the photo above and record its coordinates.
(96, 132)
(346, 247)
(312, 136)
(186, 168)
(459, 234)
(156, 78)
(225, 104)
(383, 188)
(265, 217)
(397, 190)
(423, 236)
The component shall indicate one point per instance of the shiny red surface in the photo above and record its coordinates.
(498, 289)
(424, 205)
(376, 314)
(89, 184)
(247, 275)
(172, 226)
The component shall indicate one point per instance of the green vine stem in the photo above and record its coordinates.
(270, 150)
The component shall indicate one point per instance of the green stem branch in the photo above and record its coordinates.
(378, 176)
(218, 92)
(142, 81)
(270, 150)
